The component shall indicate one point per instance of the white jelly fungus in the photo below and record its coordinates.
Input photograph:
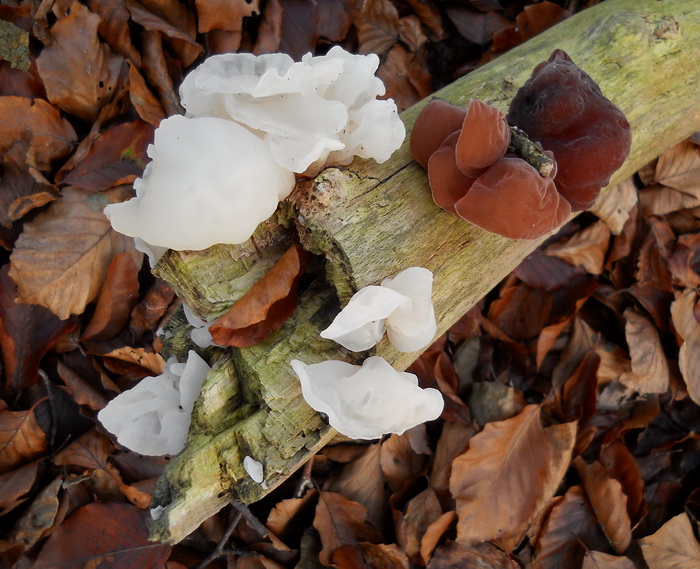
(210, 181)
(402, 305)
(153, 417)
(318, 112)
(253, 468)
(368, 401)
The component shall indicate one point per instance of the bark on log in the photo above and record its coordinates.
(371, 221)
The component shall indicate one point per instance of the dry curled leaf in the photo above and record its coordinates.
(225, 14)
(21, 439)
(586, 248)
(80, 73)
(649, 366)
(378, 26)
(266, 306)
(60, 260)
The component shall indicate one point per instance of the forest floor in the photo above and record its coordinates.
(597, 330)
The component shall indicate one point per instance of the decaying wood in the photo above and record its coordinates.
(371, 221)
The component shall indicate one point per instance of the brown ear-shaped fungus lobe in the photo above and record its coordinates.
(484, 138)
(564, 109)
(447, 183)
(434, 124)
(513, 200)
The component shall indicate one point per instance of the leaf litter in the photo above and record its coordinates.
(569, 435)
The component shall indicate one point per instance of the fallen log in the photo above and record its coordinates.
(370, 221)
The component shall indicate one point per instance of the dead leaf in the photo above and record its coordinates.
(433, 534)
(145, 102)
(152, 308)
(453, 441)
(341, 522)
(287, 514)
(614, 205)
(400, 463)
(689, 364)
(79, 72)
(429, 15)
(405, 76)
(361, 480)
(621, 465)
(586, 248)
(411, 33)
(118, 156)
(521, 311)
(117, 298)
(266, 306)
(21, 439)
(270, 30)
(421, 512)
(22, 188)
(498, 480)
(82, 391)
(39, 517)
(533, 20)
(679, 168)
(673, 546)
(539, 270)
(16, 486)
(50, 136)
(455, 555)
(682, 313)
(225, 14)
(27, 332)
(60, 260)
(377, 27)
(608, 501)
(114, 27)
(91, 451)
(152, 362)
(599, 560)
(570, 527)
(370, 556)
(99, 533)
(649, 366)
(475, 25)
(155, 69)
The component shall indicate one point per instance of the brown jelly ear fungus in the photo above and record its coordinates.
(563, 109)
(471, 176)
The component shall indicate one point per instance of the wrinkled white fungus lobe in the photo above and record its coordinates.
(199, 334)
(253, 468)
(318, 112)
(153, 417)
(210, 181)
(368, 401)
(402, 305)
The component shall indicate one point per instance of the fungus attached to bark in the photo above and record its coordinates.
(402, 306)
(368, 401)
(513, 200)
(484, 138)
(563, 108)
(434, 124)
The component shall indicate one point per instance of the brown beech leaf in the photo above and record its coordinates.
(533, 20)
(377, 27)
(370, 556)
(455, 555)
(270, 30)
(475, 25)
(152, 308)
(421, 512)
(21, 439)
(114, 27)
(521, 311)
(27, 332)
(649, 366)
(341, 522)
(622, 466)
(91, 451)
(569, 528)
(609, 502)
(109, 533)
(539, 270)
(405, 76)
(284, 516)
(433, 534)
(429, 15)
(117, 157)
(155, 69)
(400, 462)
(61, 258)
(50, 136)
(498, 480)
(22, 188)
(151, 362)
(679, 168)
(225, 14)
(82, 391)
(16, 486)
(453, 441)
(39, 517)
(599, 560)
(689, 364)
(586, 248)
(614, 205)
(117, 298)
(673, 546)
(80, 73)
(361, 480)
(145, 102)
(682, 313)
(266, 306)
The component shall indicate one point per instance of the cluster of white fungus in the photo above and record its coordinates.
(153, 417)
(251, 123)
(368, 401)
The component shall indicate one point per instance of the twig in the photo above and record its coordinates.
(528, 151)
(219, 550)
